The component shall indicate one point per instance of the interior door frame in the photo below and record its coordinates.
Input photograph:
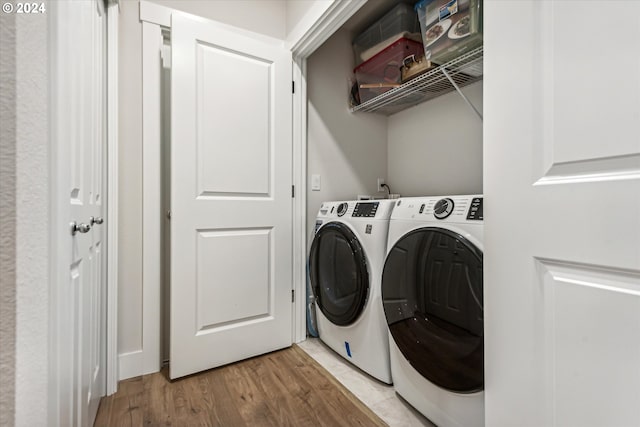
(156, 19)
(111, 360)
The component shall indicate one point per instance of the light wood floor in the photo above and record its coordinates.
(283, 388)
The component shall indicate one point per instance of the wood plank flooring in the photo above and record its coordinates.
(283, 388)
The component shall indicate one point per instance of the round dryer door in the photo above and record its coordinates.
(338, 273)
(432, 297)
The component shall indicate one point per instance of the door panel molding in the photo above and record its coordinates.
(590, 170)
(242, 163)
(601, 299)
(215, 259)
(563, 70)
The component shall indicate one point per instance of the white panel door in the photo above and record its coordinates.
(79, 123)
(562, 205)
(231, 228)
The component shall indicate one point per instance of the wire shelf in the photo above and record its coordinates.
(463, 70)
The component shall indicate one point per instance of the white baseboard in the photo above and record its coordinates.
(130, 365)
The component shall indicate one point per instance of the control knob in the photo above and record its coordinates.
(443, 208)
(342, 209)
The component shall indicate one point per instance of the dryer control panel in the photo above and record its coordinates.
(460, 209)
(366, 210)
(475, 211)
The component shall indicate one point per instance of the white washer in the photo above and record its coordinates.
(432, 295)
(345, 267)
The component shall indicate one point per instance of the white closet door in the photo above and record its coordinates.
(562, 213)
(79, 124)
(231, 224)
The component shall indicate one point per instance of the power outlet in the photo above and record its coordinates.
(380, 183)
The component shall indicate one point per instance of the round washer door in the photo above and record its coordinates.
(432, 298)
(338, 273)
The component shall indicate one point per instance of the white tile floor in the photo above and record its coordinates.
(381, 398)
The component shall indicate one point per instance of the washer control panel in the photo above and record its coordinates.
(366, 210)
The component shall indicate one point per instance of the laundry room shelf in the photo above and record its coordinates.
(453, 75)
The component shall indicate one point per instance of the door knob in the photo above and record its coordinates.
(82, 228)
(94, 221)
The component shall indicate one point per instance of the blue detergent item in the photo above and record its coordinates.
(311, 318)
(348, 348)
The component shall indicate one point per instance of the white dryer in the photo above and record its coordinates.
(345, 267)
(432, 295)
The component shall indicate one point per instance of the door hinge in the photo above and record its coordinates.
(293, 295)
(293, 191)
(293, 87)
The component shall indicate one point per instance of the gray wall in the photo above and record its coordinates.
(435, 148)
(348, 150)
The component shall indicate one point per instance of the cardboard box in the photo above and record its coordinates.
(450, 28)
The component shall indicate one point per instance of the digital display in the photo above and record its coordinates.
(367, 210)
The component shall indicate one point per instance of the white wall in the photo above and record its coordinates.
(348, 150)
(33, 213)
(7, 218)
(296, 11)
(301, 15)
(25, 248)
(130, 178)
(435, 148)
(261, 16)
